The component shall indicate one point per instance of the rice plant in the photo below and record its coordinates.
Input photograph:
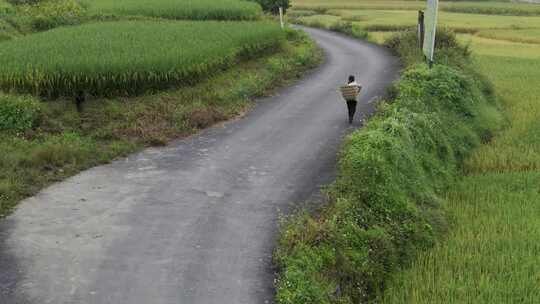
(127, 57)
(177, 9)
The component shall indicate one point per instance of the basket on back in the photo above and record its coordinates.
(350, 92)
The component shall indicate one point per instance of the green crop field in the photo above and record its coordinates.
(484, 7)
(177, 9)
(490, 253)
(127, 56)
(526, 36)
(391, 20)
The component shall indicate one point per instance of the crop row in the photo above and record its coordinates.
(177, 9)
(128, 57)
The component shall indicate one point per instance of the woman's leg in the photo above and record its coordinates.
(351, 105)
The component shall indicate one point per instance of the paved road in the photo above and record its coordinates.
(194, 222)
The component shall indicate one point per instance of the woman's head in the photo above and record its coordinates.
(351, 78)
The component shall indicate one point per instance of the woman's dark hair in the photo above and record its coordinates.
(351, 78)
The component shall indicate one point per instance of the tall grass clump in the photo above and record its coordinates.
(18, 113)
(385, 204)
(5, 7)
(28, 17)
(177, 9)
(130, 56)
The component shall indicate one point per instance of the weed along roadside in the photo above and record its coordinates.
(137, 93)
(386, 204)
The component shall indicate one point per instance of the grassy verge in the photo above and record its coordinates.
(58, 142)
(385, 205)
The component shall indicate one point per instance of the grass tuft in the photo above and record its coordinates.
(18, 113)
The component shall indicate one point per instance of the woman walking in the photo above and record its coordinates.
(352, 102)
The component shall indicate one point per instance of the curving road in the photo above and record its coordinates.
(194, 222)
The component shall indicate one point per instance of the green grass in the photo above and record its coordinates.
(516, 77)
(491, 254)
(380, 37)
(7, 31)
(501, 48)
(129, 56)
(177, 9)
(63, 142)
(18, 113)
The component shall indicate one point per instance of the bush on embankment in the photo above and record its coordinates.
(18, 113)
(385, 206)
(272, 6)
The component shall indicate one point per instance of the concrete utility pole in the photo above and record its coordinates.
(430, 30)
(281, 17)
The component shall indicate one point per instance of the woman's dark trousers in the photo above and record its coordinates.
(351, 104)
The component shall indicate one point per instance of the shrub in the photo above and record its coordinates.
(273, 6)
(50, 14)
(447, 48)
(18, 113)
(301, 13)
(348, 28)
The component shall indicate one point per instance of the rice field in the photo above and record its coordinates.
(524, 36)
(500, 48)
(177, 9)
(473, 7)
(491, 255)
(514, 68)
(128, 56)
(391, 20)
